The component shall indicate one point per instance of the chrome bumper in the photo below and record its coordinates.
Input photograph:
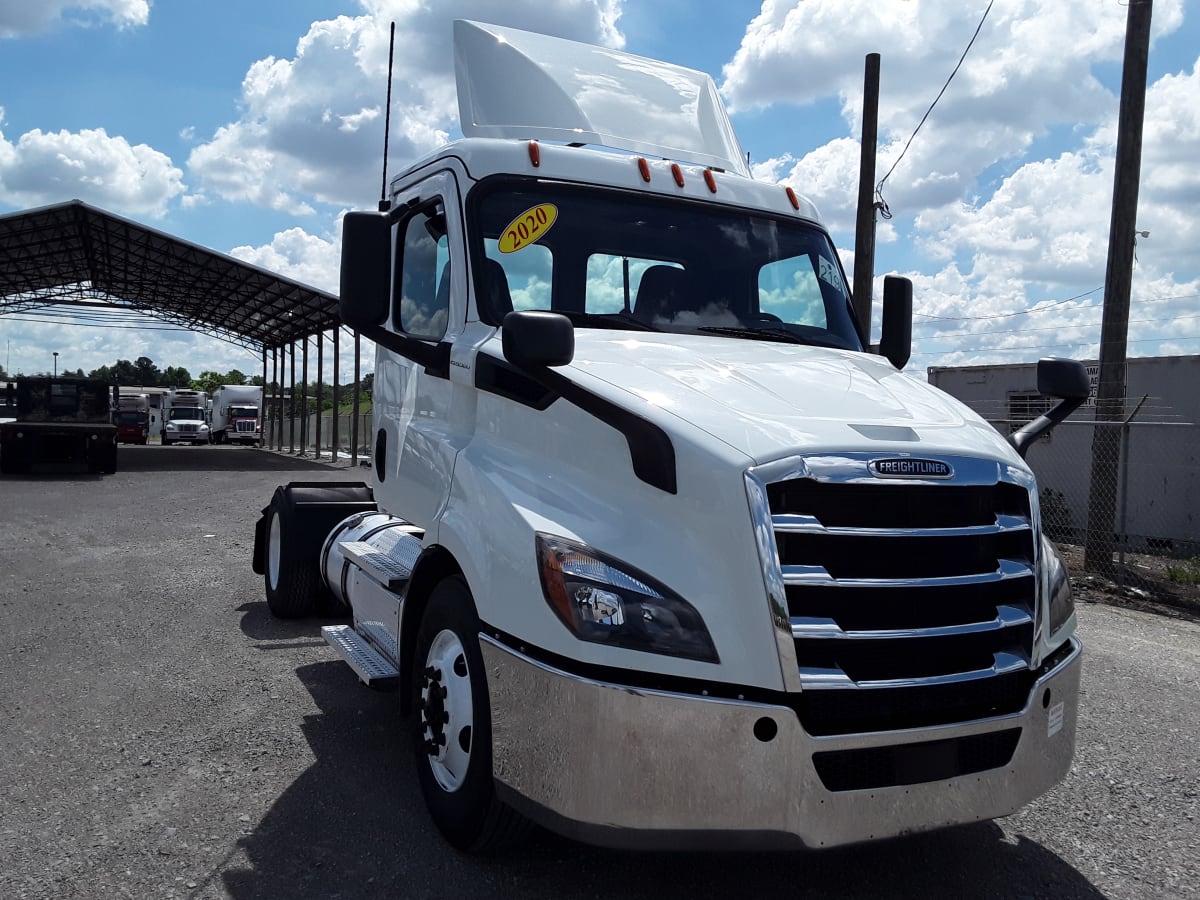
(627, 767)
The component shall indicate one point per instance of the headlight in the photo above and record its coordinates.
(170, 426)
(1056, 584)
(605, 602)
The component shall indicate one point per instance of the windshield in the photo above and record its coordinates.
(184, 412)
(243, 412)
(612, 259)
(130, 417)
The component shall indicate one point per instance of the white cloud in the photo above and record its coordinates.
(298, 255)
(52, 167)
(312, 126)
(1031, 68)
(24, 17)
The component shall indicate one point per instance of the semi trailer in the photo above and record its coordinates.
(658, 549)
(59, 420)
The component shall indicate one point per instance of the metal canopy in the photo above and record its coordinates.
(75, 254)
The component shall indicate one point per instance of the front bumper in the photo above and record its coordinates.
(621, 766)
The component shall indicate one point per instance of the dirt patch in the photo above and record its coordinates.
(1162, 585)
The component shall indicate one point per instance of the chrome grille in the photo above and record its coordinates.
(246, 426)
(910, 603)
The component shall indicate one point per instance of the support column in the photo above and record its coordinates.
(320, 389)
(292, 401)
(333, 440)
(304, 399)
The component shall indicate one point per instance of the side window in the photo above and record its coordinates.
(791, 289)
(613, 281)
(421, 303)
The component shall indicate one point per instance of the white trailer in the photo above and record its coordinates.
(185, 417)
(658, 549)
(236, 414)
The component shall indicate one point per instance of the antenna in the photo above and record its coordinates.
(384, 203)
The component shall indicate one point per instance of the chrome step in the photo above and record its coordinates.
(372, 668)
(387, 570)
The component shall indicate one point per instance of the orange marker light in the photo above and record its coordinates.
(678, 173)
(795, 200)
(535, 154)
(710, 181)
(644, 168)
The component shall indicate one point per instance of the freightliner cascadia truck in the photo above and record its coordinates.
(658, 549)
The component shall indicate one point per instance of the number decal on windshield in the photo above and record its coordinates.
(528, 227)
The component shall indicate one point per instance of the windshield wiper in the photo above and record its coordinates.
(765, 333)
(620, 320)
(777, 332)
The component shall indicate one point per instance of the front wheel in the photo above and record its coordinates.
(453, 727)
(291, 577)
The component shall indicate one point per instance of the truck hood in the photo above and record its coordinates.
(768, 399)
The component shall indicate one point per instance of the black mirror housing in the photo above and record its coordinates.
(895, 341)
(364, 294)
(1066, 379)
(536, 338)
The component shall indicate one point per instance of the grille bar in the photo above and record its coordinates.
(788, 523)
(818, 576)
(828, 629)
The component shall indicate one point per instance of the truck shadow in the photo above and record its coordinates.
(354, 825)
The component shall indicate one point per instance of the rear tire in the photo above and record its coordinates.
(452, 727)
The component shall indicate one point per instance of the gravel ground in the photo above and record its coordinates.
(162, 736)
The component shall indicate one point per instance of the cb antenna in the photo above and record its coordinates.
(384, 203)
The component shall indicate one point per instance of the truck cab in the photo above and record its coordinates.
(185, 418)
(659, 549)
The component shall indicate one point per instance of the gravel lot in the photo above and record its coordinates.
(162, 736)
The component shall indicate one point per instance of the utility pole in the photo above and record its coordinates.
(864, 230)
(1114, 332)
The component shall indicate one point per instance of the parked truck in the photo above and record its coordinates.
(658, 549)
(185, 417)
(132, 418)
(59, 420)
(236, 412)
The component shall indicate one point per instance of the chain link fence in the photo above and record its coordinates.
(300, 434)
(1122, 500)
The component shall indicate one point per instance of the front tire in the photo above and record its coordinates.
(290, 574)
(452, 732)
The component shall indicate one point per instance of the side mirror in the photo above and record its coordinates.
(1066, 379)
(538, 338)
(895, 341)
(364, 294)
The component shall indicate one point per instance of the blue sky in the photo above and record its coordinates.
(251, 127)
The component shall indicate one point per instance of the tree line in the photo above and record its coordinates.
(143, 372)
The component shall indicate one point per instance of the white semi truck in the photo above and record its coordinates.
(658, 549)
(236, 410)
(185, 417)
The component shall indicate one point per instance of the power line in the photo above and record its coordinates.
(879, 187)
(1061, 327)
(1049, 306)
(1151, 340)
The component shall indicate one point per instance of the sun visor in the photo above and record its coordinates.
(516, 84)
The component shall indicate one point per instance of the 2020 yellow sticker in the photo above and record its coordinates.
(528, 227)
